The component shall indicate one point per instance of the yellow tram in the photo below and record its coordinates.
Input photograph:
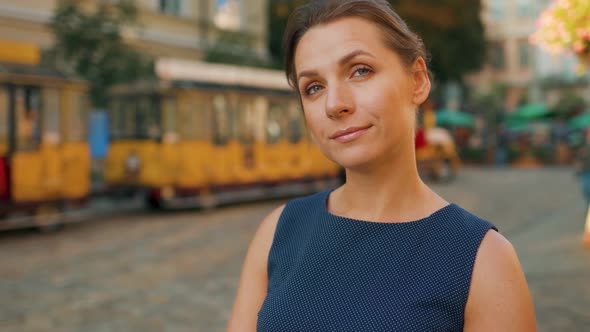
(44, 156)
(204, 130)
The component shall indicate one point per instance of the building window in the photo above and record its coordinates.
(497, 57)
(523, 53)
(525, 8)
(497, 9)
(228, 14)
(171, 7)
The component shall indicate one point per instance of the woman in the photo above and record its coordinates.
(383, 252)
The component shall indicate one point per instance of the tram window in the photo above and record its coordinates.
(246, 120)
(195, 117)
(28, 118)
(3, 120)
(169, 111)
(148, 124)
(51, 115)
(75, 129)
(261, 109)
(274, 124)
(221, 120)
(295, 123)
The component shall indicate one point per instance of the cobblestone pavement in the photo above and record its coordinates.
(179, 271)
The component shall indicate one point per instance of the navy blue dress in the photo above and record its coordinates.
(330, 273)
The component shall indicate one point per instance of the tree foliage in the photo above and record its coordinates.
(451, 29)
(235, 47)
(278, 12)
(89, 44)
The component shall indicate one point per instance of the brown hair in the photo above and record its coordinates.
(396, 33)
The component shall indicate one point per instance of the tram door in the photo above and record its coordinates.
(49, 155)
(221, 166)
(298, 162)
(194, 130)
(250, 133)
(28, 175)
(277, 145)
(74, 147)
(169, 154)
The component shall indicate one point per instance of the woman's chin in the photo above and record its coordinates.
(354, 161)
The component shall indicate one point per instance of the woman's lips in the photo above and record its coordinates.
(349, 134)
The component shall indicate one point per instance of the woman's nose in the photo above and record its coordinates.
(339, 101)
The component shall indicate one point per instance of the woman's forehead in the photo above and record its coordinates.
(327, 43)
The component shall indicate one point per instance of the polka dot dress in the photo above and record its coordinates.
(329, 273)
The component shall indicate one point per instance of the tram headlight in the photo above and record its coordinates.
(132, 164)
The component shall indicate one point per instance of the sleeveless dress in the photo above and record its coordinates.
(330, 273)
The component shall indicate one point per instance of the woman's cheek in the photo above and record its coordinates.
(312, 127)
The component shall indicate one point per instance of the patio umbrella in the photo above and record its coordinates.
(581, 121)
(448, 118)
(530, 112)
(518, 127)
(523, 126)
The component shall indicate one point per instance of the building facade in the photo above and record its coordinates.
(511, 59)
(167, 28)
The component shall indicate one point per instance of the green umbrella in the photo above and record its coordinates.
(448, 118)
(580, 121)
(522, 126)
(530, 112)
(518, 126)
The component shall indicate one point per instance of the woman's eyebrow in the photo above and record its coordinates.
(343, 60)
(306, 73)
(353, 55)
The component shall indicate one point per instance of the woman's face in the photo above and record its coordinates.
(359, 99)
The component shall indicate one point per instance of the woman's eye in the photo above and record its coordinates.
(312, 89)
(361, 72)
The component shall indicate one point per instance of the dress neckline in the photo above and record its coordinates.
(430, 218)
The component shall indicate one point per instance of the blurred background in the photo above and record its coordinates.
(142, 142)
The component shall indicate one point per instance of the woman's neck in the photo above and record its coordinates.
(391, 191)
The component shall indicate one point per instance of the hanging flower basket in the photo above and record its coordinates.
(565, 26)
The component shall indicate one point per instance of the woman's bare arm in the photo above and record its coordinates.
(254, 278)
(499, 298)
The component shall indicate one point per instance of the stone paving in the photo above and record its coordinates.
(179, 271)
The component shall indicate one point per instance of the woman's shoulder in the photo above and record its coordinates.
(267, 228)
(498, 282)
(270, 223)
(468, 219)
(460, 232)
(316, 199)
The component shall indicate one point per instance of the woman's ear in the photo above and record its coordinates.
(421, 87)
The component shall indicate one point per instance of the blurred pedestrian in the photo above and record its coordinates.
(582, 165)
(383, 252)
(501, 145)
